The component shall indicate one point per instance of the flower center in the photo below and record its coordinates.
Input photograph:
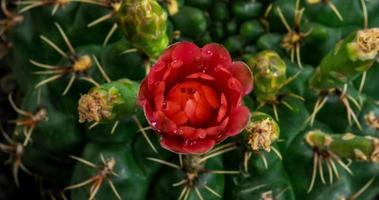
(198, 101)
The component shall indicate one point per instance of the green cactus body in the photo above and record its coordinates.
(144, 24)
(345, 146)
(354, 55)
(313, 131)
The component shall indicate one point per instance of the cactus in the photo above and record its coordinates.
(148, 99)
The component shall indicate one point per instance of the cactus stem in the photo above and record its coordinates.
(97, 180)
(136, 120)
(110, 33)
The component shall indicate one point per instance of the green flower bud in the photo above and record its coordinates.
(144, 23)
(269, 75)
(261, 132)
(110, 101)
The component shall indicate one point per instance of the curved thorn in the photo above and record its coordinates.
(321, 170)
(169, 164)
(115, 192)
(313, 179)
(198, 193)
(101, 19)
(70, 82)
(255, 188)
(114, 127)
(86, 162)
(101, 69)
(90, 80)
(110, 33)
(17, 109)
(335, 10)
(264, 160)
(54, 46)
(283, 19)
(144, 134)
(365, 15)
(363, 189)
(277, 152)
(363, 80)
(65, 38)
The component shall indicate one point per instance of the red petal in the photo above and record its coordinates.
(215, 54)
(239, 118)
(223, 108)
(143, 94)
(242, 72)
(190, 109)
(174, 144)
(166, 55)
(155, 75)
(191, 133)
(198, 146)
(159, 96)
(201, 75)
(187, 52)
(211, 96)
(172, 108)
(163, 124)
(180, 118)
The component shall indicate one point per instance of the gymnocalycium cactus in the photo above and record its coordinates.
(193, 99)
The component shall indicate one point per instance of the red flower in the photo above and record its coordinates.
(192, 97)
